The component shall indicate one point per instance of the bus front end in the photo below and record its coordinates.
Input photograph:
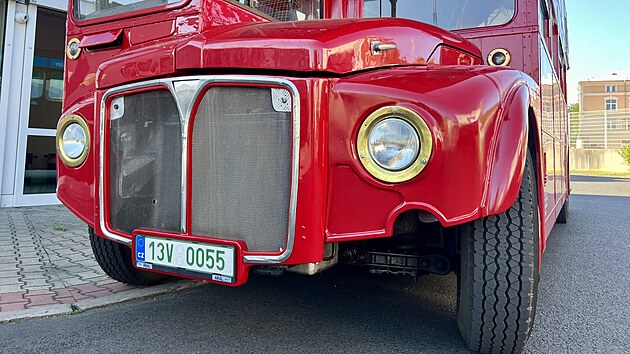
(208, 138)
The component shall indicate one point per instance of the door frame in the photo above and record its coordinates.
(21, 199)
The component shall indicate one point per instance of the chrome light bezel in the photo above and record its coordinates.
(63, 155)
(424, 136)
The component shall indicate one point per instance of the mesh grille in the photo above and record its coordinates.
(241, 168)
(145, 163)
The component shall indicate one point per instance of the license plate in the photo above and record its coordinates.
(210, 261)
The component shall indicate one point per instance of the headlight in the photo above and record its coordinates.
(394, 144)
(73, 140)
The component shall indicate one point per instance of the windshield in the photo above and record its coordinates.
(283, 10)
(447, 14)
(88, 9)
(286, 10)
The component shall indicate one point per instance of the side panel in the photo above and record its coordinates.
(548, 158)
(76, 186)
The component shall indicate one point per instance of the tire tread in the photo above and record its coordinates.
(499, 275)
(115, 261)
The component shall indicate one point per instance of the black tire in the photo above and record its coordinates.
(563, 217)
(498, 281)
(115, 260)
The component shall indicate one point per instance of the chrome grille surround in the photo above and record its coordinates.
(184, 105)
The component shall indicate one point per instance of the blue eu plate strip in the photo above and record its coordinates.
(140, 248)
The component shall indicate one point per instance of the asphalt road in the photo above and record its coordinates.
(584, 304)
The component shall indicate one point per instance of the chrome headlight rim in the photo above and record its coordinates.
(63, 155)
(424, 135)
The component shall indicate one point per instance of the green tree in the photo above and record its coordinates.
(625, 154)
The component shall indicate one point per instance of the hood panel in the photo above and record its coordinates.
(333, 46)
(325, 46)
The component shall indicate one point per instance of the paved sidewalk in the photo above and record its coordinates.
(46, 259)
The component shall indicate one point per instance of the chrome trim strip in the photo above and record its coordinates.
(185, 119)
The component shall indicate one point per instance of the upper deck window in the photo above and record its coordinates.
(286, 10)
(89, 9)
(447, 14)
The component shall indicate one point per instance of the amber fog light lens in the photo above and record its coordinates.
(499, 57)
(393, 144)
(73, 140)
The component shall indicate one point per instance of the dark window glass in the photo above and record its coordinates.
(448, 14)
(40, 170)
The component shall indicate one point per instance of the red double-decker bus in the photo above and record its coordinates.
(210, 138)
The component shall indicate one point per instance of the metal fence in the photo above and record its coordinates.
(599, 129)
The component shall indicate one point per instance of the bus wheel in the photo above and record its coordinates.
(115, 260)
(497, 284)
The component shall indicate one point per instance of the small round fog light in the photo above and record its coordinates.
(73, 50)
(73, 140)
(499, 57)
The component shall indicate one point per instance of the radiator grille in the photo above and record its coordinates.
(145, 162)
(241, 168)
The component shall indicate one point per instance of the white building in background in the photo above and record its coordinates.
(32, 42)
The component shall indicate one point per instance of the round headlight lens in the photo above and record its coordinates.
(74, 140)
(393, 144)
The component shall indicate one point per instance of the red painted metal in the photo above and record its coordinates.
(99, 39)
(482, 118)
(341, 47)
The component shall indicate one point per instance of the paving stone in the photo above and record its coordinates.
(35, 282)
(8, 259)
(10, 281)
(12, 307)
(87, 288)
(10, 288)
(107, 282)
(12, 297)
(30, 261)
(117, 287)
(40, 300)
(39, 292)
(66, 300)
(36, 287)
(73, 281)
(31, 268)
(99, 293)
(7, 267)
(30, 277)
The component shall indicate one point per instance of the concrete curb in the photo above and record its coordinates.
(37, 312)
(83, 305)
(135, 294)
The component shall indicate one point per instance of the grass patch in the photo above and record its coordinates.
(60, 228)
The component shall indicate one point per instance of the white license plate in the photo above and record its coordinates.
(213, 261)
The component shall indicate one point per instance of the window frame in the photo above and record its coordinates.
(613, 101)
(611, 88)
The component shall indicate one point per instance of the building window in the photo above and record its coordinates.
(611, 88)
(611, 104)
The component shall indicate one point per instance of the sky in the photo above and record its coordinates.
(599, 40)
